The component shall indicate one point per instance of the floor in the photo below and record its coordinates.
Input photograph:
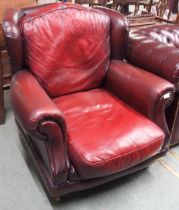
(152, 189)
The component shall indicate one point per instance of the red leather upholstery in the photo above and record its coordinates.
(82, 139)
(35, 120)
(24, 85)
(119, 28)
(156, 50)
(104, 134)
(139, 93)
(80, 54)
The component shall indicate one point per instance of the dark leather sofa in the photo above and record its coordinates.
(156, 49)
(85, 116)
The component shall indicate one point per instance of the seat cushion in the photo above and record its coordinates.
(67, 47)
(105, 135)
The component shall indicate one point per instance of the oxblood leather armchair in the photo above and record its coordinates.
(156, 49)
(85, 117)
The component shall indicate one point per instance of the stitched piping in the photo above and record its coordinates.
(64, 8)
(99, 162)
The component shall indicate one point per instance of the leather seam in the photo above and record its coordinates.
(104, 161)
(63, 7)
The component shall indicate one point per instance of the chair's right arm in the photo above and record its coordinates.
(42, 122)
(145, 92)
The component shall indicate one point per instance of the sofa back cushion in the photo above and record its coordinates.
(66, 47)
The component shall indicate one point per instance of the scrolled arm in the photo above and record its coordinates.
(42, 121)
(31, 104)
(143, 91)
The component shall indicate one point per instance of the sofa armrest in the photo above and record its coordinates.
(153, 56)
(31, 104)
(143, 91)
(42, 122)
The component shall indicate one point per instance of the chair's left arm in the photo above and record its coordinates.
(145, 92)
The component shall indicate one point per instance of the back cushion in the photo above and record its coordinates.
(66, 47)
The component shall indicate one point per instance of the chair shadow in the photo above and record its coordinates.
(80, 195)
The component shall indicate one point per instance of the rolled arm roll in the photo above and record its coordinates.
(40, 119)
(145, 92)
(153, 56)
(31, 104)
